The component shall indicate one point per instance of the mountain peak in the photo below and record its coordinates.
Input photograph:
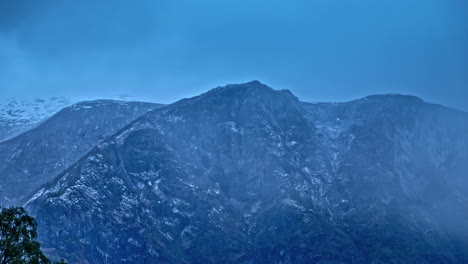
(252, 85)
(250, 89)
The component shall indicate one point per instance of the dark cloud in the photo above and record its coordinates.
(15, 12)
(87, 26)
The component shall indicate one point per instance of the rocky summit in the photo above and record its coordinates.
(248, 174)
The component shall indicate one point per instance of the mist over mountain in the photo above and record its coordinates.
(247, 174)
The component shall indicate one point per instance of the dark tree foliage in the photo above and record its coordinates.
(17, 238)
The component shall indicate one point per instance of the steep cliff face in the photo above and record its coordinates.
(247, 174)
(37, 156)
(400, 178)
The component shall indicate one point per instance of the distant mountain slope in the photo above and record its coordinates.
(37, 156)
(247, 174)
(18, 116)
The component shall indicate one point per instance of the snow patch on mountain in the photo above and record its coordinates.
(20, 115)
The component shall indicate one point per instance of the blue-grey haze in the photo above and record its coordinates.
(322, 50)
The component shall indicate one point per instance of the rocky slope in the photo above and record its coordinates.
(37, 156)
(247, 174)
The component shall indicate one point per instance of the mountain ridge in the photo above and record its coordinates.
(20, 115)
(35, 156)
(271, 179)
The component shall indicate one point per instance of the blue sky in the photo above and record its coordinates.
(322, 50)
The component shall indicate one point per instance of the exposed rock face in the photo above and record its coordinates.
(37, 156)
(247, 174)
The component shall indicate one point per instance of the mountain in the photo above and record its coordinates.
(18, 116)
(248, 174)
(37, 156)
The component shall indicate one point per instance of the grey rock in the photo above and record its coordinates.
(37, 156)
(247, 174)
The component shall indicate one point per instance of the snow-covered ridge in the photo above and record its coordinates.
(31, 110)
(19, 115)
